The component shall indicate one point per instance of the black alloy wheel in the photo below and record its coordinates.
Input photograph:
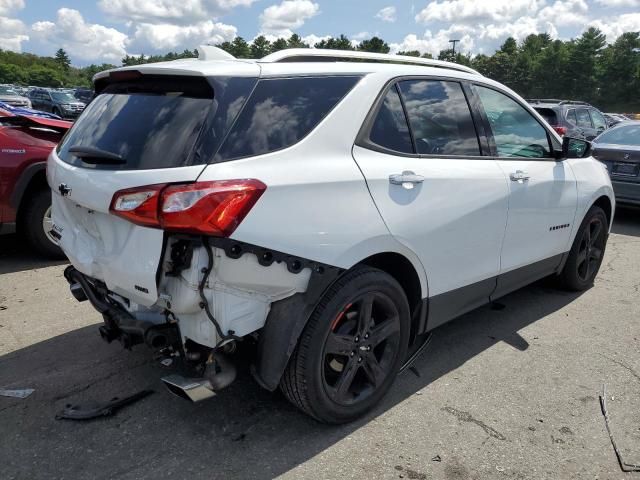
(361, 347)
(587, 252)
(351, 349)
(591, 249)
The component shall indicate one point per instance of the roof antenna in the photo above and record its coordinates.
(209, 52)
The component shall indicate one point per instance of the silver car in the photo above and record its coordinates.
(9, 96)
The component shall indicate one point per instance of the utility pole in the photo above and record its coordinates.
(453, 48)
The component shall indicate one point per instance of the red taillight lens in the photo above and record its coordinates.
(209, 208)
(138, 205)
(562, 131)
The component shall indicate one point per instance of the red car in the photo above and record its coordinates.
(25, 198)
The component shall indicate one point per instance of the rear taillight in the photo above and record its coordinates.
(208, 208)
(562, 131)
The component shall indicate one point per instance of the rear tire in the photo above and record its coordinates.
(351, 349)
(35, 222)
(587, 252)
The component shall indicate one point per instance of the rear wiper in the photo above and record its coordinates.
(96, 155)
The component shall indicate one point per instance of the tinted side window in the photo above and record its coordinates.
(582, 114)
(389, 129)
(598, 120)
(571, 117)
(282, 111)
(515, 131)
(439, 117)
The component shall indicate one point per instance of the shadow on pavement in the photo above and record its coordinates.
(244, 432)
(16, 255)
(627, 221)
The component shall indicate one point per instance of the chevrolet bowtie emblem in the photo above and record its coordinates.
(64, 189)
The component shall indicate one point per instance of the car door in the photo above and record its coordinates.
(585, 127)
(423, 161)
(598, 120)
(543, 192)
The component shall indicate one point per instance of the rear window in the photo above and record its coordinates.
(281, 112)
(157, 121)
(549, 115)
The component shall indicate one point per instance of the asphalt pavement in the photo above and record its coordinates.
(501, 393)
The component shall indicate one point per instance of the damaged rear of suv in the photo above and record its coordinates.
(298, 202)
(152, 189)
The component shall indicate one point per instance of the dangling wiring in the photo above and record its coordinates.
(204, 303)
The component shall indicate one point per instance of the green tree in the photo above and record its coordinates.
(374, 44)
(409, 53)
(340, 43)
(296, 42)
(62, 59)
(279, 44)
(260, 47)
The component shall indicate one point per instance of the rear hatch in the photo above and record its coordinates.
(139, 130)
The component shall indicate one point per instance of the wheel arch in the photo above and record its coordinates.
(605, 203)
(32, 179)
(288, 317)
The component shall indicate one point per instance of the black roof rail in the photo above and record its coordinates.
(544, 100)
(573, 102)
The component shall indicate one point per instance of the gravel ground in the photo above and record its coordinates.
(509, 393)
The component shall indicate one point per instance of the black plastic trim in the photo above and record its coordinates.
(23, 182)
(449, 305)
(518, 278)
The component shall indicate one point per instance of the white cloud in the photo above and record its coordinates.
(433, 43)
(472, 11)
(565, 12)
(82, 40)
(619, 3)
(287, 16)
(9, 6)
(616, 26)
(12, 34)
(168, 36)
(312, 39)
(182, 12)
(387, 14)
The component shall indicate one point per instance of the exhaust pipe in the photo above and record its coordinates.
(223, 373)
(194, 389)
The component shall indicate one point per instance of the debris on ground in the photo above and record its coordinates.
(19, 393)
(626, 467)
(95, 410)
(437, 458)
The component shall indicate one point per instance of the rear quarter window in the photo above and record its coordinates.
(280, 112)
(549, 115)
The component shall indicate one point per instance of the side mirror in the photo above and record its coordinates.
(573, 148)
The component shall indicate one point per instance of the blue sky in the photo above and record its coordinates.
(105, 30)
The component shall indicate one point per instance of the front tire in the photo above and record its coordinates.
(587, 252)
(36, 223)
(351, 349)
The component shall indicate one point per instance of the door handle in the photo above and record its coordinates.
(519, 176)
(407, 179)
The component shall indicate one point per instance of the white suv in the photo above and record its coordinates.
(331, 212)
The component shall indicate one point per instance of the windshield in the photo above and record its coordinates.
(63, 97)
(7, 90)
(624, 135)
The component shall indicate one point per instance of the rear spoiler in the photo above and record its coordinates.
(29, 121)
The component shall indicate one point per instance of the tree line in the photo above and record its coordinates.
(584, 68)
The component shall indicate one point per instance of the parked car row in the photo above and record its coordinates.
(64, 102)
